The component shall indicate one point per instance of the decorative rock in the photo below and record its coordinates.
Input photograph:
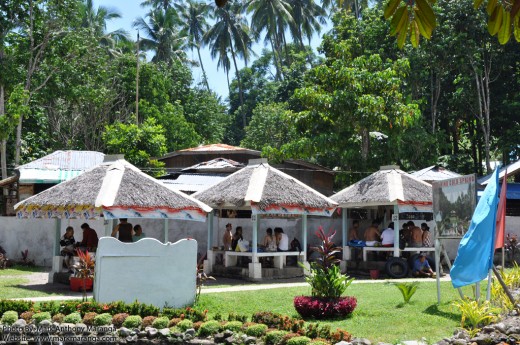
(229, 340)
(443, 342)
(488, 329)
(188, 336)
(31, 330)
(81, 328)
(45, 323)
(250, 340)
(19, 323)
(361, 341)
(459, 342)
(67, 329)
(141, 334)
(482, 339)
(124, 332)
(228, 333)
(199, 341)
(219, 338)
(343, 342)
(164, 333)
(381, 343)
(513, 330)
(190, 331)
(152, 332)
(131, 338)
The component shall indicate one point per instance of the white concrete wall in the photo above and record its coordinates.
(147, 271)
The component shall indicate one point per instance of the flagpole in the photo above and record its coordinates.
(488, 292)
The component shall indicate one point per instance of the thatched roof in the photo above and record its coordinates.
(266, 190)
(116, 189)
(388, 186)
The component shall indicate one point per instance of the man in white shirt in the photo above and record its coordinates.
(282, 240)
(387, 237)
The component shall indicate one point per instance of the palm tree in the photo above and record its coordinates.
(355, 6)
(192, 15)
(308, 17)
(272, 16)
(163, 37)
(230, 33)
(163, 4)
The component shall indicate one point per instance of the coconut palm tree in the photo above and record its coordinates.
(163, 35)
(230, 33)
(273, 16)
(192, 15)
(163, 4)
(308, 18)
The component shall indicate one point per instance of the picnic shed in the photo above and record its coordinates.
(266, 192)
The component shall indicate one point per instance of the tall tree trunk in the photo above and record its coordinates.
(277, 64)
(3, 143)
(204, 76)
(240, 92)
(435, 81)
(483, 107)
(365, 145)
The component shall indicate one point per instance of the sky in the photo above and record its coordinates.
(131, 9)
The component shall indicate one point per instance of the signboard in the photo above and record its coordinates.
(454, 201)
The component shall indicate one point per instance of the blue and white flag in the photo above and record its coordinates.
(475, 255)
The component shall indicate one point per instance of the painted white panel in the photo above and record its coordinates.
(147, 271)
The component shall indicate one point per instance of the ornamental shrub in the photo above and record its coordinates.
(9, 317)
(288, 336)
(72, 318)
(174, 322)
(275, 337)
(39, 317)
(51, 306)
(234, 326)
(27, 316)
(104, 319)
(58, 318)
(237, 317)
(196, 325)
(148, 320)
(89, 317)
(340, 335)
(272, 320)
(324, 308)
(257, 330)
(319, 341)
(17, 306)
(185, 313)
(160, 322)
(118, 319)
(301, 340)
(133, 321)
(209, 328)
(184, 325)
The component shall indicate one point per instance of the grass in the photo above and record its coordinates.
(381, 315)
(12, 280)
(18, 270)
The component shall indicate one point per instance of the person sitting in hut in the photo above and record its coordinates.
(426, 239)
(138, 233)
(90, 239)
(67, 251)
(124, 229)
(372, 235)
(227, 239)
(415, 235)
(387, 237)
(269, 244)
(421, 267)
(282, 240)
(236, 237)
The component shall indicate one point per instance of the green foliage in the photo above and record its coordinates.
(148, 320)
(511, 278)
(27, 316)
(119, 319)
(39, 317)
(185, 324)
(407, 290)
(16, 106)
(325, 277)
(298, 341)
(18, 306)
(234, 326)
(257, 330)
(232, 316)
(475, 313)
(209, 328)
(161, 322)
(88, 318)
(9, 317)
(72, 318)
(188, 313)
(104, 319)
(58, 318)
(133, 321)
(275, 337)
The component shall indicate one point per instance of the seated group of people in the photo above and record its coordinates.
(271, 243)
(410, 236)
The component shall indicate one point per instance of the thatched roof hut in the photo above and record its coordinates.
(113, 189)
(266, 190)
(388, 186)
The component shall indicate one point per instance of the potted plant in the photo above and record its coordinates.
(83, 278)
(327, 284)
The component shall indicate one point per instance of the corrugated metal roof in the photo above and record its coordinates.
(59, 166)
(512, 169)
(434, 173)
(66, 160)
(218, 163)
(215, 147)
(193, 182)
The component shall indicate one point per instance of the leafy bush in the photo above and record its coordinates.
(209, 328)
(89, 317)
(301, 340)
(17, 306)
(161, 322)
(407, 290)
(476, 314)
(272, 320)
(174, 322)
(58, 318)
(118, 319)
(257, 330)
(237, 317)
(104, 319)
(325, 277)
(288, 336)
(323, 308)
(314, 330)
(234, 326)
(185, 313)
(319, 341)
(52, 307)
(148, 321)
(27, 316)
(39, 317)
(72, 318)
(133, 321)
(185, 324)
(9, 317)
(340, 335)
(275, 337)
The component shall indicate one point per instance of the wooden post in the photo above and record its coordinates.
(210, 230)
(304, 236)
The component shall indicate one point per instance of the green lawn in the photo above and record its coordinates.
(379, 316)
(12, 280)
(20, 270)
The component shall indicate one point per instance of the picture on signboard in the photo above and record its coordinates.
(454, 201)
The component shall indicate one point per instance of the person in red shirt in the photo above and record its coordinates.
(90, 239)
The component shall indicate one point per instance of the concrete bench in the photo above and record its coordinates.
(391, 249)
(279, 258)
